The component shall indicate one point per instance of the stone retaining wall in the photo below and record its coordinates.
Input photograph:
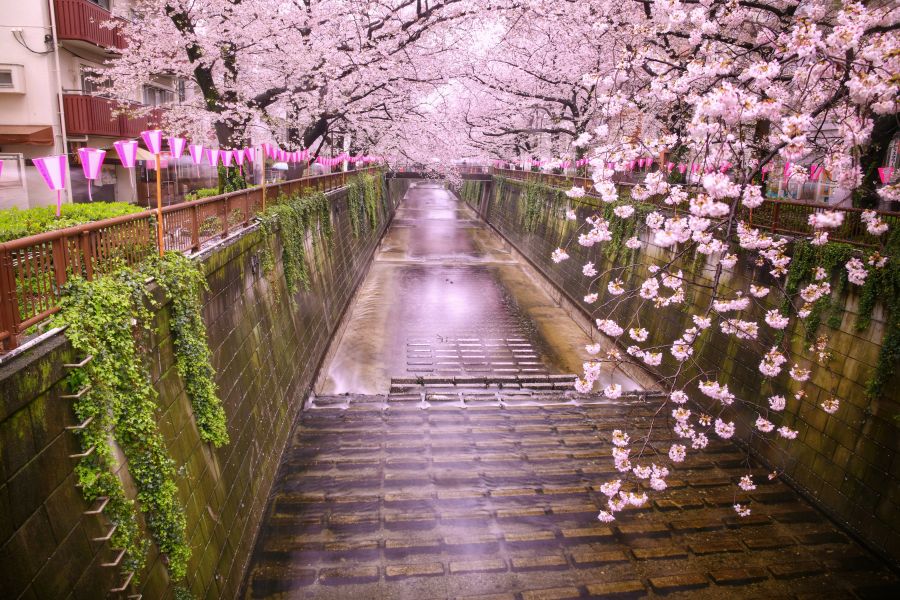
(266, 349)
(847, 463)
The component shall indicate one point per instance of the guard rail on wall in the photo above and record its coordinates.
(34, 269)
(786, 217)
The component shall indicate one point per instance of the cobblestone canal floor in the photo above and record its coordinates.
(489, 488)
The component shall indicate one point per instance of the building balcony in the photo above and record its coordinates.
(93, 115)
(81, 23)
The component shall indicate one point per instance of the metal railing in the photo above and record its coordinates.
(34, 269)
(787, 217)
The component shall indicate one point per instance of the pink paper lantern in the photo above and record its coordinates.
(127, 151)
(212, 157)
(250, 154)
(682, 168)
(196, 152)
(815, 171)
(53, 170)
(239, 157)
(227, 156)
(153, 140)
(91, 163)
(885, 174)
(176, 147)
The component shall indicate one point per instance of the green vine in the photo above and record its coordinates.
(364, 193)
(108, 318)
(883, 285)
(804, 260)
(295, 218)
(533, 198)
(184, 283)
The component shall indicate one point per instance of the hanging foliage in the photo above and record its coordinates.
(109, 318)
(296, 219)
(184, 283)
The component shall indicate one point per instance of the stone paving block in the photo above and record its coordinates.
(696, 524)
(584, 533)
(560, 593)
(535, 563)
(350, 574)
(590, 557)
(753, 520)
(678, 583)
(631, 588)
(792, 569)
(716, 547)
(410, 545)
(739, 576)
(822, 537)
(659, 553)
(416, 570)
(654, 530)
(769, 543)
(529, 537)
(477, 566)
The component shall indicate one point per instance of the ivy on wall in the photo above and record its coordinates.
(364, 193)
(184, 283)
(882, 285)
(295, 218)
(109, 318)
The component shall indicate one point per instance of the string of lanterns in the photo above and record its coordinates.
(815, 171)
(53, 169)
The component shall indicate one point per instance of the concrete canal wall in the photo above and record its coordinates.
(267, 346)
(847, 462)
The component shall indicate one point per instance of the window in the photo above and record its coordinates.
(12, 79)
(93, 83)
(181, 89)
(157, 96)
(100, 3)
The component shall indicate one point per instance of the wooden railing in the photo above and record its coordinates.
(786, 217)
(34, 269)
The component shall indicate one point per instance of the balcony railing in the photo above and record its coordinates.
(93, 115)
(34, 269)
(83, 21)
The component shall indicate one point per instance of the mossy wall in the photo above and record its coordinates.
(846, 462)
(267, 345)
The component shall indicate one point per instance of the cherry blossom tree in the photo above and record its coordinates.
(297, 69)
(730, 87)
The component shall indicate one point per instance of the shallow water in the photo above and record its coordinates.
(446, 297)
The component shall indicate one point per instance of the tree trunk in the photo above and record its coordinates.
(874, 156)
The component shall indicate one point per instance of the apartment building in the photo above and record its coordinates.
(51, 101)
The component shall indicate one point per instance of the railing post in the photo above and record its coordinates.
(87, 255)
(227, 217)
(9, 305)
(775, 213)
(195, 228)
(59, 261)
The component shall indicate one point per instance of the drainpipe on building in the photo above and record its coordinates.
(61, 111)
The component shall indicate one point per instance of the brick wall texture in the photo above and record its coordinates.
(847, 463)
(267, 346)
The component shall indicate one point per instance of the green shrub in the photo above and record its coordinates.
(201, 193)
(15, 223)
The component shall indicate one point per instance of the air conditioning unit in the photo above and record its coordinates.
(12, 79)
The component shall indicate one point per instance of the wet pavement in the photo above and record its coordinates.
(446, 297)
(495, 496)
